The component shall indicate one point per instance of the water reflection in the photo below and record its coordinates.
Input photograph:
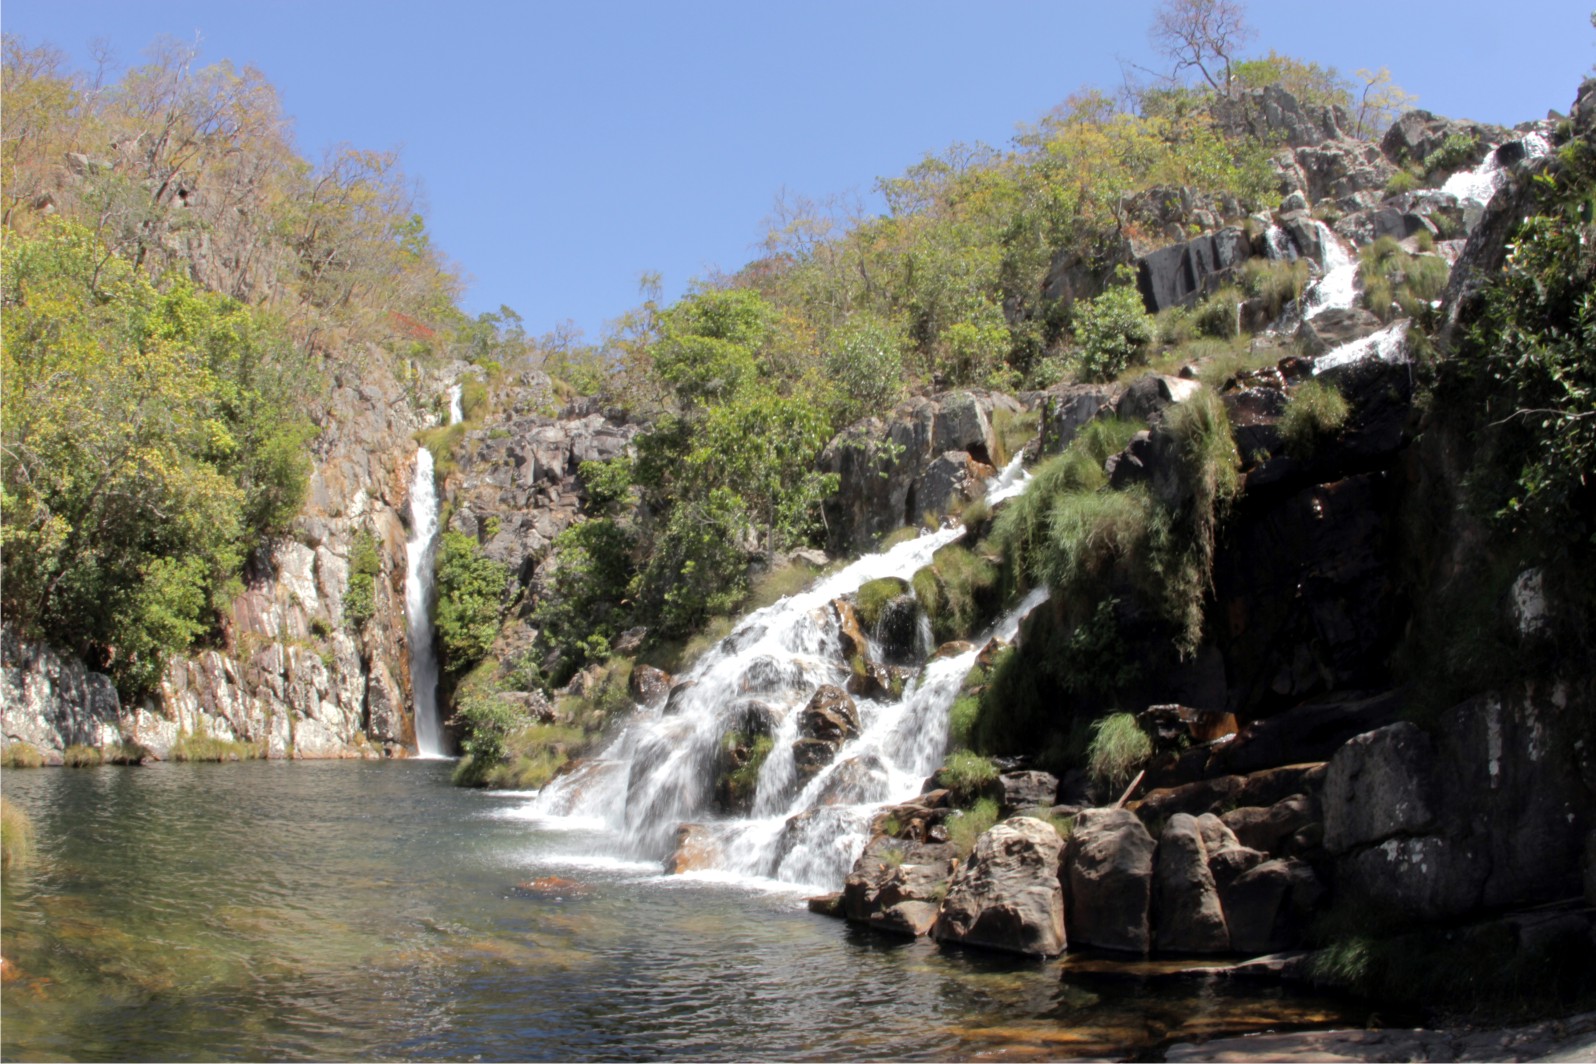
(371, 911)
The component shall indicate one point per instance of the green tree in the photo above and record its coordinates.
(470, 604)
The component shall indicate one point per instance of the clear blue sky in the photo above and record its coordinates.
(565, 148)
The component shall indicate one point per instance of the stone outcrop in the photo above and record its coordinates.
(1180, 274)
(1007, 895)
(1187, 915)
(884, 465)
(51, 701)
(1108, 878)
(828, 721)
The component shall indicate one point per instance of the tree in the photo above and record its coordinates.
(1201, 35)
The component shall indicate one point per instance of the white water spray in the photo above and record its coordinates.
(658, 773)
(455, 413)
(1337, 289)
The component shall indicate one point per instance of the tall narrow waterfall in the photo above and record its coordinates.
(418, 606)
(418, 595)
(658, 774)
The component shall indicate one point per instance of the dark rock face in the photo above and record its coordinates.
(881, 462)
(1269, 905)
(1307, 598)
(1418, 134)
(1186, 910)
(1007, 894)
(1488, 811)
(649, 686)
(1274, 115)
(1181, 274)
(1027, 790)
(1108, 878)
(1068, 409)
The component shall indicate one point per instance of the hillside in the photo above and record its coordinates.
(1292, 609)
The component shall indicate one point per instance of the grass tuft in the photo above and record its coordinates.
(1119, 748)
(21, 755)
(1316, 412)
(968, 825)
(16, 837)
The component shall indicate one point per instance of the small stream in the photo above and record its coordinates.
(368, 910)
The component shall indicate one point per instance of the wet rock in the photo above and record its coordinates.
(677, 699)
(648, 686)
(953, 477)
(1007, 894)
(1187, 915)
(697, 849)
(856, 781)
(1108, 873)
(1417, 135)
(828, 721)
(891, 871)
(898, 631)
(826, 904)
(909, 918)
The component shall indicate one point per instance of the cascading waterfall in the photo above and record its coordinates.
(1337, 289)
(658, 773)
(1474, 188)
(418, 596)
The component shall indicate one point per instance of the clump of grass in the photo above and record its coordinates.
(16, 837)
(872, 599)
(1315, 412)
(442, 441)
(1219, 315)
(527, 758)
(1064, 825)
(1119, 748)
(1402, 181)
(897, 536)
(715, 629)
(79, 755)
(1011, 431)
(1274, 282)
(1222, 362)
(968, 825)
(1395, 282)
(776, 584)
(21, 755)
(962, 716)
(966, 775)
(191, 747)
(1090, 533)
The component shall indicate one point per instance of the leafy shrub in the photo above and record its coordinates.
(966, 775)
(470, 595)
(1402, 181)
(968, 825)
(360, 595)
(1316, 411)
(1113, 332)
(580, 612)
(1119, 748)
(864, 363)
(1456, 152)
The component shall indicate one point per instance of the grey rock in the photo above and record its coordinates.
(1268, 906)
(1378, 785)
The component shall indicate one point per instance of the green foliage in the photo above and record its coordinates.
(742, 783)
(1316, 411)
(1012, 430)
(1118, 749)
(1401, 182)
(487, 722)
(1456, 152)
(1113, 332)
(1526, 366)
(698, 566)
(152, 440)
(873, 598)
(608, 483)
(864, 362)
(968, 825)
(360, 594)
(955, 591)
(470, 590)
(16, 837)
(708, 343)
(581, 611)
(967, 776)
(1219, 362)
(962, 716)
(1309, 82)
(21, 755)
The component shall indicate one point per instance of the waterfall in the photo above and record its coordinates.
(418, 606)
(455, 413)
(1387, 345)
(1337, 289)
(1474, 188)
(657, 775)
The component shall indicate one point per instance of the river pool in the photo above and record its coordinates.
(369, 910)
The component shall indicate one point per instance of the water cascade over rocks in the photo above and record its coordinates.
(418, 595)
(652, 789)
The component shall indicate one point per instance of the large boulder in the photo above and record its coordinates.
(1187, 915)
(1268, 907)
(1273, 115)
(890, 873)
(1007, 894)
(1378, 785)
(1108, 878)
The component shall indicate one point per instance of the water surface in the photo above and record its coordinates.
(368, 910)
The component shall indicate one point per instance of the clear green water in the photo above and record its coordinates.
(368, 910)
